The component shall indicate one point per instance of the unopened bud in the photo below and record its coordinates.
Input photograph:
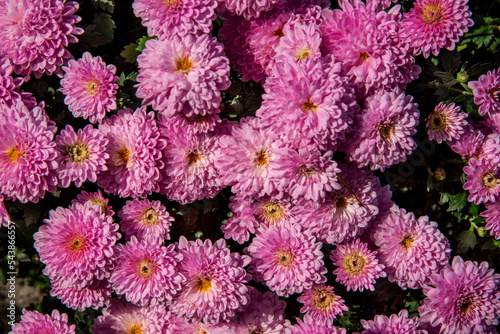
(439, 174)
(462, 76)
(481, 231)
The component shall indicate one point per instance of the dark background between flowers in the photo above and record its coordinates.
(114, 33)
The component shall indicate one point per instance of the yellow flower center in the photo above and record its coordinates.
(436, 121)
(407, 241)
(76, 242)
(308, 106)
(150, 217)
(273, 210)
(303, 54)
(146, 268)
(193, 157)
(490, 180)
(432, 13)
(355, 263)
(385, 130)
(203, 284)
(341, 203)
(78, 152)
(284, 257)
(364, 56)
(135, 329)
(92, 86)
(322, 299)
(261, 158)
(14, 154)
(124, 156)
(183, 65)
(466, 305)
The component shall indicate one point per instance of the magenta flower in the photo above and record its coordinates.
(76, 244)
(183, 74)
(381, 135)
(435, 24)
(82, 155)
(146, 272)
(462, 298)
(358, 267)
(395, 324)
(215, 287)
(321, 303)
(143, 217)
(486, 92)
(95, 198)
(492, 215)
(33, 322)
(446, 123)
(35, 34)
(310, 325)
(483, 180)
(286, 259)
(411, 249)
(95, 294)
(90, 88)
(299, 42)
(28, 158)
(250, 9)
(166, 18)
(469, 144)
(135, 154)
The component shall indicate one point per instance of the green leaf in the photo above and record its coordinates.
(466, 240)
(474, 209)
(130, 53)
(122, 78)
(105, 25)
(460, 98)
(141, 42)
(491, 244)
(107, 5)
(457, 202)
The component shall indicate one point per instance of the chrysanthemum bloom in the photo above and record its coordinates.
(121, 316)
(411, 249)
(190, 171)
(166, 18)
(4, 215)
(143, 217)
(215, 286)
(490, 148)
(483, 180)
(94, 295)
(135, 154)
(310, 325)
(486, 92)
(358, 267)
(82, 155)
(368, 43)
(90, 88)
(77, 244)
(248, 159)
(321, 303)
(95, 198)
(395, 324)
(286, 259)
(435, 24)
(346, 212)
(310, 97)
(183, 74)
(468, 144)
(146, 272)
(492, 215)
(299, 41)
(34, 322)
(446, 122)
(381, 135)
(35, 34)
(28, 158)
(462, 298)
(250, 9)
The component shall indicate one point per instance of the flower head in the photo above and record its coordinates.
(95, 198)
(90, 87)
(435, 24)
(34, 322)
(395, 324)
(321, 303)
(358, 268)
(35, 34)
(82, 155)
(486, 92)
(483, 180)
(463, 297)
(95, 294)
(445, 123)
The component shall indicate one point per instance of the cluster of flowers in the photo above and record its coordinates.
(334, 81)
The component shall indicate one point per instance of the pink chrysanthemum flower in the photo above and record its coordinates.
(468, 145)
(368, 43)
(215, 286)
(82, 155)
(95, 198)
(250, 9)
(34, 322)
(4, 215)
(168, 17)
(77, 244)
(146, 272)
(310, 325)
(300, 41)
(492, 215)
(462, 298)
(183, 74)
(286, 259)
(310, 97)
(90, 88)
(190, 171)
(94, 295)
(358, 267)
(135, 154)
(395, 324)
(121, 316)
(445, 123)
(28, 158)
(143, 217)
(411, 249)
(483, 180)
(35, 34)
(486, 92)
(321, 303)
(381, 135)
(435, 24)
